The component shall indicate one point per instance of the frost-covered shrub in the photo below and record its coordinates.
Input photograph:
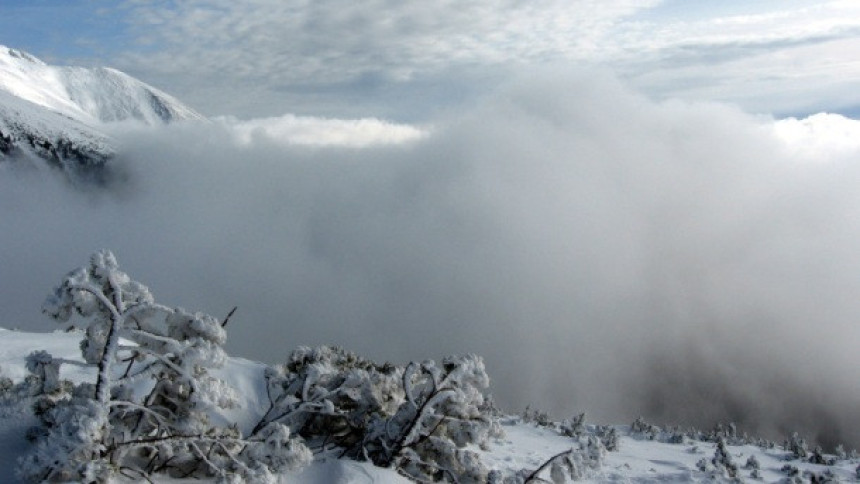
(71, 445)
(840, 452)
(330, 395)
(6, 383)
(729, 434)
(573, 427)
(721, 466)
(676, 436)
(148, 410)
(537, 417)
(441, 403)
(46, 370)
(417, 418)
(43, 381)
(826, 477)
(752, 463)
(796, 445)
(609, 436)
(818, 457)
(723, 462)
(490, 408)
(643, 430)
(790, 470)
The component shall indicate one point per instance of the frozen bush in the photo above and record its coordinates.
(573, 427)
(797, 447)
(722, 461)
(416, 418)
(644, 430)
(752, 463)
(609, 436)
(537, 417)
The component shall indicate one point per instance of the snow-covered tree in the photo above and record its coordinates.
(148, 409)
(723, 462)
(573, 427)
(329, 395)
(797, 446)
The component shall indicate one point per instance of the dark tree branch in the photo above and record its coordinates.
(224, 323)
(534, 475)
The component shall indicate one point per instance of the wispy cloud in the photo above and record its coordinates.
(337, 40)
(301, 56)
(282, 49)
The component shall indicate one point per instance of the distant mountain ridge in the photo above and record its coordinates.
(90, 95)
(59, 114)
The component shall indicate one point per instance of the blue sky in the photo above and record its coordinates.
(65, 31)
(409, 61)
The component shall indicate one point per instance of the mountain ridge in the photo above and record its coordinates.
(90, 95)
(61, 114)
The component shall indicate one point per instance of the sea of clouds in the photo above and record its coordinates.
(603, 252)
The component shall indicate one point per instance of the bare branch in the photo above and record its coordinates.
(534, 475)
(224, 323)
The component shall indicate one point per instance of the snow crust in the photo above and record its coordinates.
(523, 445)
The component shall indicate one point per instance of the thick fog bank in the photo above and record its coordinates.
(602, 252)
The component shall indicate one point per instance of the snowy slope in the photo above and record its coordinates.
(92, 96)
(26, 128)
(642, 455)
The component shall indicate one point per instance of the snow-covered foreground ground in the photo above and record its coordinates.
(642, 456)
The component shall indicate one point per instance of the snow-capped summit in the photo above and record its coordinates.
(60, 114)
(90, 95)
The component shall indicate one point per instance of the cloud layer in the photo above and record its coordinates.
(385, 59)
(603, 252)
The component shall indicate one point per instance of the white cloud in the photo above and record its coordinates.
(265, 57)
(305, 130)
(821, 137)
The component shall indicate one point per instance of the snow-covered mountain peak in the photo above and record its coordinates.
(61, 114)
(89, 95)
(30, 79)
